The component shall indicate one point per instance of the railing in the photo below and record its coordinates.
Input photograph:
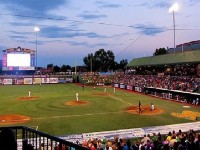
(30, 139)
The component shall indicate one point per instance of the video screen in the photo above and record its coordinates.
(18, 62)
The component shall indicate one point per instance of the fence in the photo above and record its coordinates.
(28, 138)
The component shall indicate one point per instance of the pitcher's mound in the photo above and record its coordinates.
(76, 103)
(145, 110)
(27, 98)
(13, 119)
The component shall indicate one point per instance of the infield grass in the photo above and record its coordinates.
(103, 113)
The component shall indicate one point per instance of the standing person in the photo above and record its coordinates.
(114, 90)
(197, 101)
(29, 93)
(152, 107)
(139, 107)
(105, 90)
(77, 96)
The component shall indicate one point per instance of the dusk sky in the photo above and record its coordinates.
(71, 29)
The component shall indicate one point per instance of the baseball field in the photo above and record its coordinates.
(53, 109)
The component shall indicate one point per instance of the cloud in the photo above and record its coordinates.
(61, 32)
(21, 24)
(32, 11)
(91, 15)
(18, 37)
(89, 45)
(150, 30)
(107, 5)
(156, 4)
(193, 2)
(32, 5)
(20, 33)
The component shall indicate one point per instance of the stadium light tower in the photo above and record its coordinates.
(174, 8)
(36, 30)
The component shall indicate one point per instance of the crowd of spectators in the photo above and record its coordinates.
(168, 84)
(182, 83)
(172, 141)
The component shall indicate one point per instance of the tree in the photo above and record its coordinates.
(56, 69)
(49, 66)
(101, 60)
(160, 51)
(89, 62)
(65, 68)
(123, 64)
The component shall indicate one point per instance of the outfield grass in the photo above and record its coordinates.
(103, 113)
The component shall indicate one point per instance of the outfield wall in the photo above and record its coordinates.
(35, 80)
(181, 96)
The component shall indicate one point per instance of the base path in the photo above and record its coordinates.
(27, 98)
(145, 110)
(13, 119)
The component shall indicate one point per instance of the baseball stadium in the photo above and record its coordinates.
(91, 106)
(99, 75)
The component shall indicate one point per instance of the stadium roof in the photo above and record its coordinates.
(187, 57)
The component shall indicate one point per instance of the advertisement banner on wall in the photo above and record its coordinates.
(122, 86)
(116, 85)
(61, 80)
(19, 81)
(7, 81)
(53, 80)
(69, 80)
(129, 87)
(45, 80)
(37, 80)
(28, 80)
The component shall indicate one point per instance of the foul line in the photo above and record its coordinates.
(119, 99)
(57, 117)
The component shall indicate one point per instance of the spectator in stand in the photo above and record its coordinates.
(172, 141)
(145, 139)
(169, 137)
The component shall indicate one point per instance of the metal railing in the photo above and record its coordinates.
(30, 139)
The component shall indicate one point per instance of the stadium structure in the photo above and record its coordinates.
(185, 62)
(18, 59)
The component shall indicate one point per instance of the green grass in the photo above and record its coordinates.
(103, 113)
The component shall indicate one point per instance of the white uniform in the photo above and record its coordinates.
(152, 107)
(197, 101)
(77, 96)
(104, 90)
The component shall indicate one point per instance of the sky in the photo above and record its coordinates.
(72, 29)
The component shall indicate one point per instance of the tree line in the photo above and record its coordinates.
(101, 61)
